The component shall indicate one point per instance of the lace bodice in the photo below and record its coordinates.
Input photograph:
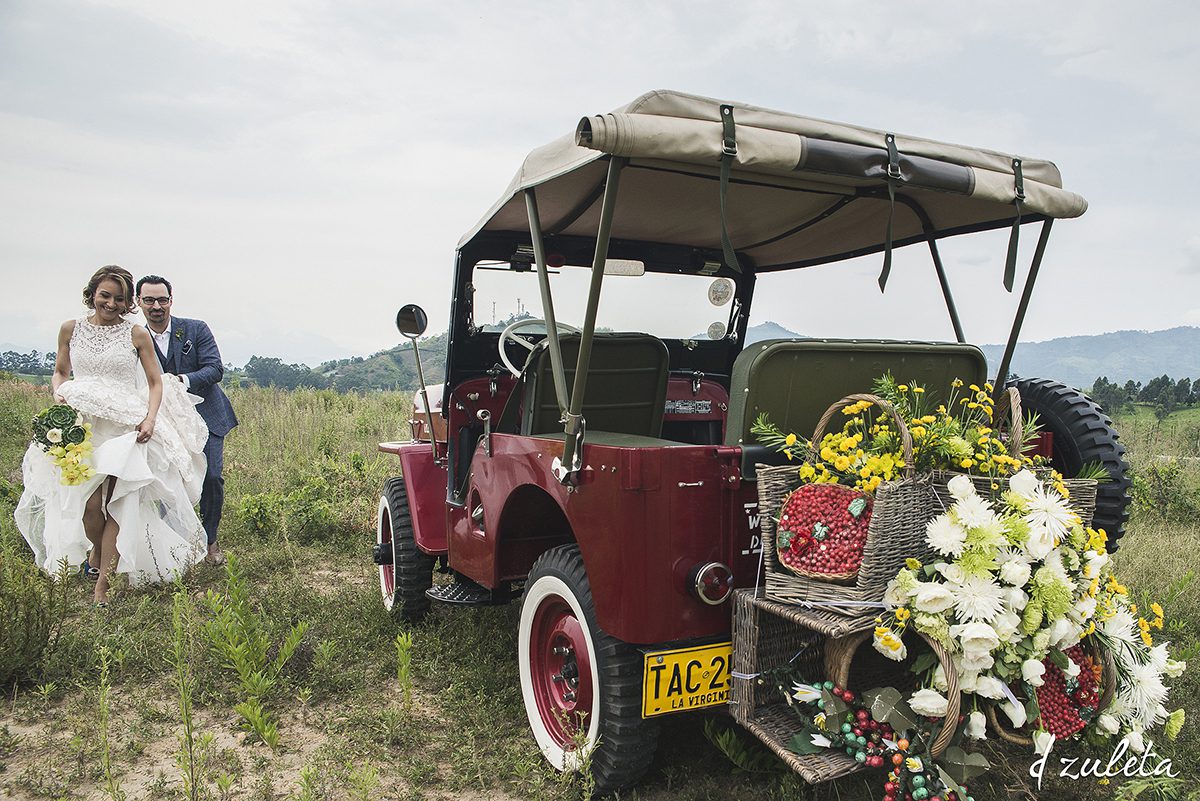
(104, 352)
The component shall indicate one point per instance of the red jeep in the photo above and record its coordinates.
(611, 474)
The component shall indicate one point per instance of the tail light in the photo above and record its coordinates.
(712, 582)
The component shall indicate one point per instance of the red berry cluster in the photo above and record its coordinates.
(1067, 705)
(825, 536)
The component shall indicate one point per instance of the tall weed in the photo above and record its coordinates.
(238, 635)
(32, 608)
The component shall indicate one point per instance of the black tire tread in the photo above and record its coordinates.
(627, 741)
(1083, 433)
(413, 568)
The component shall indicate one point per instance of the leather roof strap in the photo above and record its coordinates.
(893, 178)
(1010, 265)
(728, 154)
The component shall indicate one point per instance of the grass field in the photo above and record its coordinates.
(99, 716)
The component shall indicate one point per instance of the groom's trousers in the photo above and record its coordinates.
(212, 496)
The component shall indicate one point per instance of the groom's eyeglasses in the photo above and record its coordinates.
(155, 301)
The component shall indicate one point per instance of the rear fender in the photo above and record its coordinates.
(531, 523)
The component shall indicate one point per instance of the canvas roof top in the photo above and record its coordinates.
(802, 190)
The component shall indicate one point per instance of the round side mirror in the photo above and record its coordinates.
(411, 320)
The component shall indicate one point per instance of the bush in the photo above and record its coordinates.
(32, 606)
(1164, 489)
(333, 499)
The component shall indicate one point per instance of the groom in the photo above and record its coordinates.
(188, 352)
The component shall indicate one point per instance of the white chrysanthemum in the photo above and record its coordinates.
(1122, 627)
(1010, 555)
(978, 598)
(1049, 510)
(945, 536)
(1084, 610)
(973, 512)
(1159, 657)
(1145, 694)
(1054, 561)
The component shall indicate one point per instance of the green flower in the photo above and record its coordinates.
(59, 416)
(977, 562)
(1016, 531)
(1051, 593)
(936, 627)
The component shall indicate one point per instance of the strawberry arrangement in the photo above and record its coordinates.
(823, 530)
(1067, 703)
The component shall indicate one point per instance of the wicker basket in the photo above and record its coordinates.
(1008, 410)
(819, 646)
(896, 532)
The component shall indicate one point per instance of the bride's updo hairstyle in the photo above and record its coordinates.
(117, 274)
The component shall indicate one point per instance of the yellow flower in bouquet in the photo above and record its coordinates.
(61, 432)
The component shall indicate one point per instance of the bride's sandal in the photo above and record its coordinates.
(88, 572)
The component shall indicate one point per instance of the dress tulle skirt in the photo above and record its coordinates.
(152, 500)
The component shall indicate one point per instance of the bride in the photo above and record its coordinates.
(136, 512)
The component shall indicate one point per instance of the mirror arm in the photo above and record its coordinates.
(539, 256)
(425, 398)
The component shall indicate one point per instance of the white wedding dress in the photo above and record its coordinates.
(157, 482)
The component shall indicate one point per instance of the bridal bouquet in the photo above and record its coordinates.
(62, 434)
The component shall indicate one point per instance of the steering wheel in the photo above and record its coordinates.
(509, 334)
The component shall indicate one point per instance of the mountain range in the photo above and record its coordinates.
(1119, 356)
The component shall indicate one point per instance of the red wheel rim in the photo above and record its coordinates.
(560, 668)
(387, 573)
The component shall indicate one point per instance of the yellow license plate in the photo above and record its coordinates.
(685, 679)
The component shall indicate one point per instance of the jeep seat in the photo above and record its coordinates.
(795, 380)
(626, 388)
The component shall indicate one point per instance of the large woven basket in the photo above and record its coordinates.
(818, 646)
(896, 532)
(1009, 414)
(1108, 688)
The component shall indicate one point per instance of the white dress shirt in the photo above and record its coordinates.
(163, 341)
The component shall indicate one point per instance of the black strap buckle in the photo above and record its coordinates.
(893, 166)
(728, 138)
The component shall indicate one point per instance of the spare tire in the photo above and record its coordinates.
(1083, 434)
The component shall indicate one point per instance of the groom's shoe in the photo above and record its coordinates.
(214, 556)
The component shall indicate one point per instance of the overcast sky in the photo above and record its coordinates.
(301, 169)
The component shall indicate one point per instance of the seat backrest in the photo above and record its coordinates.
(796, 380)
(626, 386)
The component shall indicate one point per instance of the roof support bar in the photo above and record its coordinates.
(539, 257)
(941, 274)
(1006, 360)
(572, 458)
